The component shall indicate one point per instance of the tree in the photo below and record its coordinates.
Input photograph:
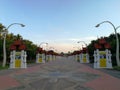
(31, 49)
(2, 27)
(1, 30)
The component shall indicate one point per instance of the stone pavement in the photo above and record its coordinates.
(112, 72)
(62, 74)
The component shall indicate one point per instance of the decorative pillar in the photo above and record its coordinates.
(18, 55)
(40, 56)
(102, 54)
(50, 55)
(84, 56)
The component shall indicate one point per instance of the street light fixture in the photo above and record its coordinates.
(51, 48)
(117, 40)
(42, 44)
(83, 42)
(77, 48)
(4, 33)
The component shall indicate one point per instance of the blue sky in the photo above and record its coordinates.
(60, 23)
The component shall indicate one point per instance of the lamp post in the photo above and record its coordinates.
(83, 42)
(4, 33)
(43, 49)
(42, 44)
(117, 40)
(77, 48)
(51, 48)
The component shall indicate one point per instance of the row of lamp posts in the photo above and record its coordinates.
(4, 33)
(43, 55)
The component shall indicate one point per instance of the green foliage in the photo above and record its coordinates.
(116, 68)
(2, 68)
(1, 27)
(31, 49)
(1, 41)
(91, 50)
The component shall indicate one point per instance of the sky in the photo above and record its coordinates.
(60, 23)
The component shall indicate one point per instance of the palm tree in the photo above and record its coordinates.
(1, 29)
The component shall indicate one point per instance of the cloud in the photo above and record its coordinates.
(67, 44)
(62, 47)
(86, 39)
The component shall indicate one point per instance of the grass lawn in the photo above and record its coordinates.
(6, 67)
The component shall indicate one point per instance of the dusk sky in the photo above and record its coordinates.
(60, 23)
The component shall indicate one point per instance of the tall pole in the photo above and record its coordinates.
(43, 49)
(4, 49)
(117, 40)
(42, 44)
(51, 48)
(4, 42)
(83, 42)
(77, 48)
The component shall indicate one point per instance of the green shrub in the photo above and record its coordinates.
(6, 67)
(117, 68)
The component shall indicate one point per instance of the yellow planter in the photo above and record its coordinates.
(102, 62)
(40, 60)
(84, 60)
(78, 58)
(17, 63)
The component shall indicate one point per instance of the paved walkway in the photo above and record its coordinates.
(112, 72)
(63, 74)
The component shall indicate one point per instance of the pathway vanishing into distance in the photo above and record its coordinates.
(62, 74)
